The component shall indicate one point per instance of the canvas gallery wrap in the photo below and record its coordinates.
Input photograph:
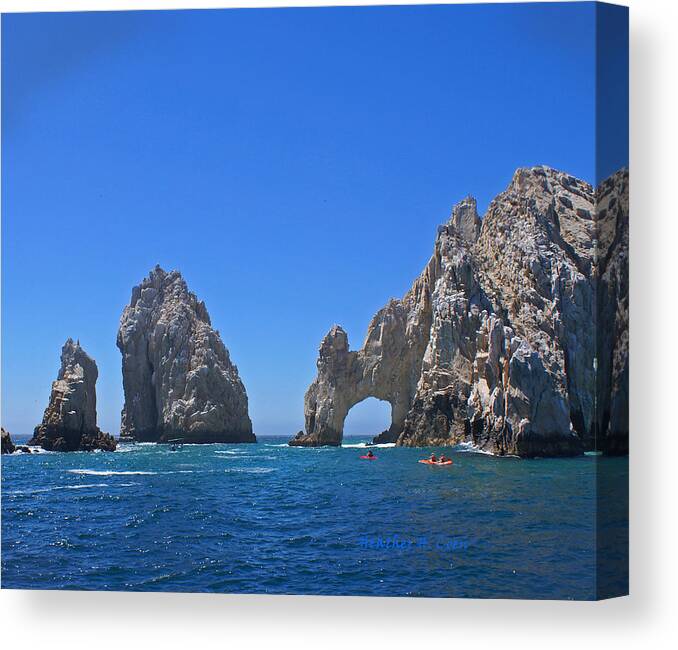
(325, 301)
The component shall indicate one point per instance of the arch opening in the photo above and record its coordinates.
(368, 418)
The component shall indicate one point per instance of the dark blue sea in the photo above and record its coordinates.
(268, 518)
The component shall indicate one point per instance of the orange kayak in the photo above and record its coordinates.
(432, 462)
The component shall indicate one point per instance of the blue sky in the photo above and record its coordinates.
(292, 164)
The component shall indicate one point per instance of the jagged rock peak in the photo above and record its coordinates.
(507, 337)
(70, 419)
(336, 340)
(544, 179)
(171, 286)
(178, 377)
(465, 219)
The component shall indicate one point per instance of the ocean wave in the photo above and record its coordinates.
(363, 445)
(59, 487)
(82, 486)
(34, 450)
(108, 472)
(221, 451)
(246, 456)
(249, 470)
(470, 448)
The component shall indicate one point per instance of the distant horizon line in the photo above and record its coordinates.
(258, 435)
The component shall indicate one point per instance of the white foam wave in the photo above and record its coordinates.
(83, 486)
(247, 456)
(249, 470)
(102, 472)
(363, 445)
(470, 448)
(60, 487)
(34, 450)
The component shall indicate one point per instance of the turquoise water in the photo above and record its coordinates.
(268, 518)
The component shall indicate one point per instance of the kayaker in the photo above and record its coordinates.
(443, 458)
(433, 458)
(370, 454)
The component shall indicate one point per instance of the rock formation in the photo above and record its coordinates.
(70, 420)
(178, 378)
(7, 446)
(514, 337)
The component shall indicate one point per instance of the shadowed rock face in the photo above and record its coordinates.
(70, 419)
(612, 229)
(514, 337)
(178, 378)
(7, 444)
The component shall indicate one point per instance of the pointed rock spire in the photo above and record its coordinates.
(70, 419)
(178, 378)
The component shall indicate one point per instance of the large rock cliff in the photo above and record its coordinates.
(70, 419)
(514, 337)
(178, 378)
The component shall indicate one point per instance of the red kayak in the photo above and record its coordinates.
(369, 457)
(434, 462)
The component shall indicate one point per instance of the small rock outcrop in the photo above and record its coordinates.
(7, 446)
(178, 378)
(70, 420)
(514, 337)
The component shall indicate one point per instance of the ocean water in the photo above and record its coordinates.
(268, 518)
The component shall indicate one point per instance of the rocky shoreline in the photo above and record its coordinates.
(514, 337)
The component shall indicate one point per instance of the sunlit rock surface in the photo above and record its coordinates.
(178, 378)
(514, 337)
(70, 419)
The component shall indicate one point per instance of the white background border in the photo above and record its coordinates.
(646, 619)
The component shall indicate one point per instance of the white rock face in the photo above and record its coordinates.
(178, 377)
(514, 337)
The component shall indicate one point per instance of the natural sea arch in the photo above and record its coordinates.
(386, 368)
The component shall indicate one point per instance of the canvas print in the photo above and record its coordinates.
(327, 301)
